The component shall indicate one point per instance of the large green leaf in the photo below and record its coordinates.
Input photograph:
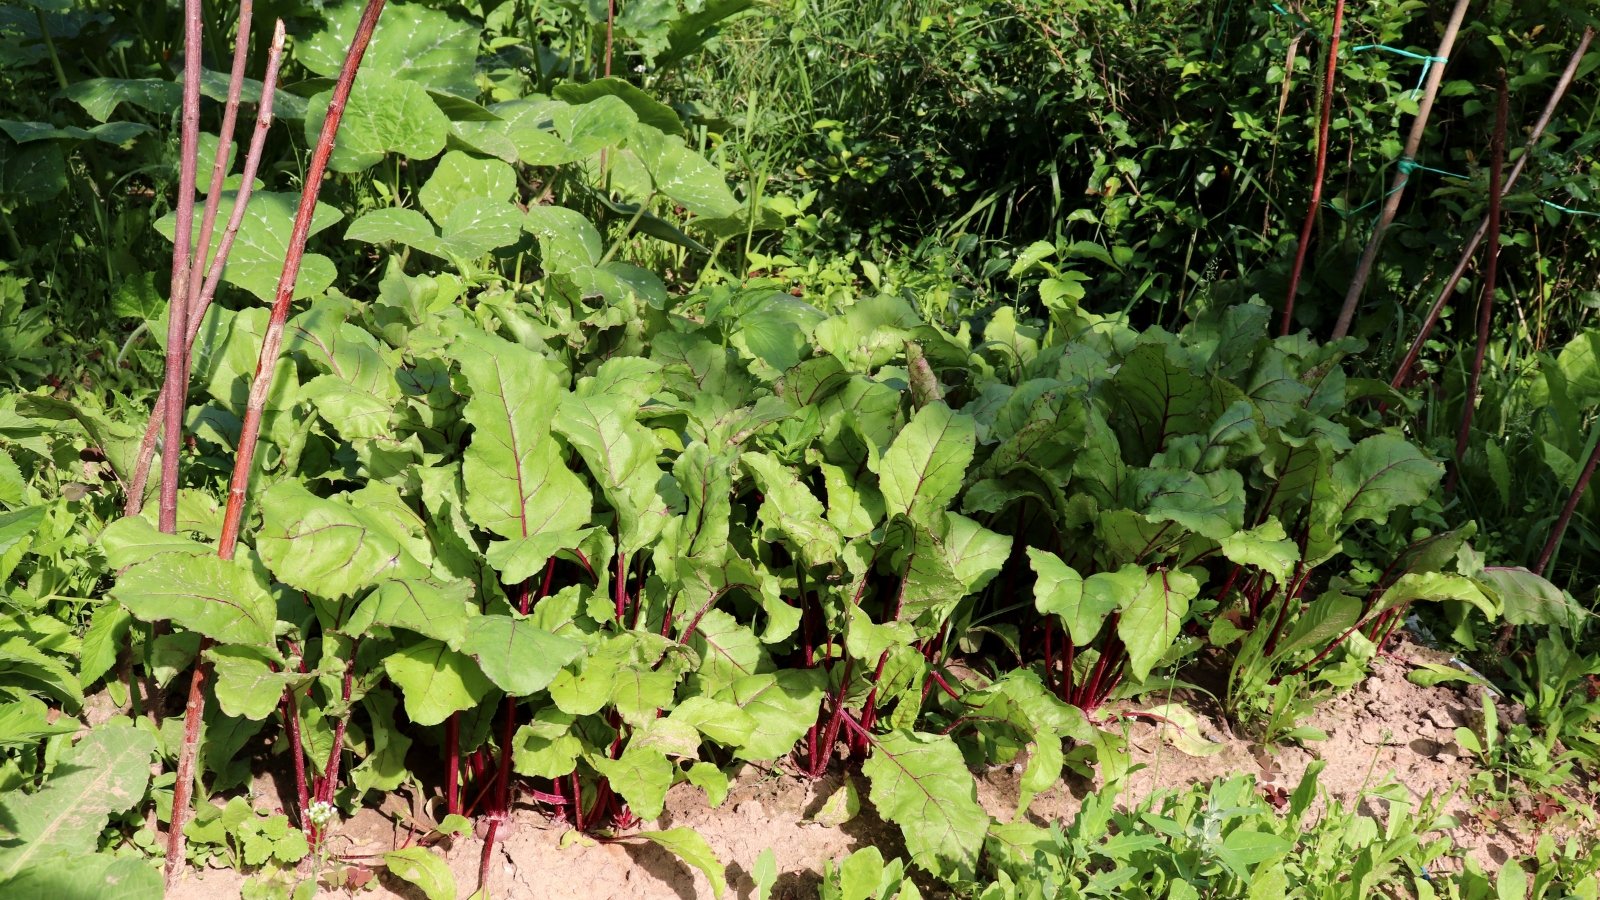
(1529, 599)
(383, 116)
(920, 782)
(518, 483)
(218, 598)
(412, 43)
(441, 610)
(436, 681)
(921, 471)
(104, 773)
(1383, 473)
(421, 867)
(518, 656)
(460, 178)
(689, 846)
(601, 422)
(1153, 615)
(256, 260)
(100, 97)
(567, 240)
(327, 547)
(783, 704)
(641, 775)
(789, 509)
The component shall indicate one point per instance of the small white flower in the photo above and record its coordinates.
(639, 68)
(320, 813)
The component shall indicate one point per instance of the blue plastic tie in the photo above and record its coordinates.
(1427, 61)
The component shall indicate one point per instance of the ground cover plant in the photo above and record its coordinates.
(518, 431)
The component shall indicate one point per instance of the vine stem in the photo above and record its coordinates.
(260, 386)
(1321, 169)
(1447, 290)
(134, 500)
(1397, 187)
(1491, 270)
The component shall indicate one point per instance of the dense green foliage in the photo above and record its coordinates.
(887, 385)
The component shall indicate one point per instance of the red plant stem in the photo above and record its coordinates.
(944, 685)
(1491, 270)
(1049, 655)
(1291, 596)
(819, 761)
(611, 18)
(1067, 664)
(330, 772)
(577, 802)
(134, 501)
(1567, 509)
(176, 378)
(1321, 170)
(291, 727)
(1448, 288)
(488, 855)
(452, 749)
(620, 590)
(272, 341)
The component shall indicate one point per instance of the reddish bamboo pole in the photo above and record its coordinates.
(1322, 168)
(1397, 189)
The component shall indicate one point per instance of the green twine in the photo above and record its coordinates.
(1406, 165)
(1427, 61)
(1568, 209)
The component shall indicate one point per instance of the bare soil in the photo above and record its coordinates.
(1386, 728)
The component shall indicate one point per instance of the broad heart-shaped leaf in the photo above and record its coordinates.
(436, 681)
(383, 116)
(567, 240)
(411, 43)
(329, 548)
(1059, 592)
(590, 127)
(1528, 599)
(419, 866)
(789, 509)
(1267, 547)
(473, 228)
(256, 260)
(218, 598)
(921, 471)
(1153, 615)
(359, 394)
(518, 483)
(920, 782)
(246, 684)
(1383, 472)
(437, 609)
(98, 875)
(518, 656)
(945, 564)
(682, 174)
(100, 97)
(651, 112)
(687, 845)
(641, 775)
(783, 705)
(1157, 395)
(601, 422)
(1433, 586)
(104, 773)
(461, 178)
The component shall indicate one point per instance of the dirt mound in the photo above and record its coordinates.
(1386, 728)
